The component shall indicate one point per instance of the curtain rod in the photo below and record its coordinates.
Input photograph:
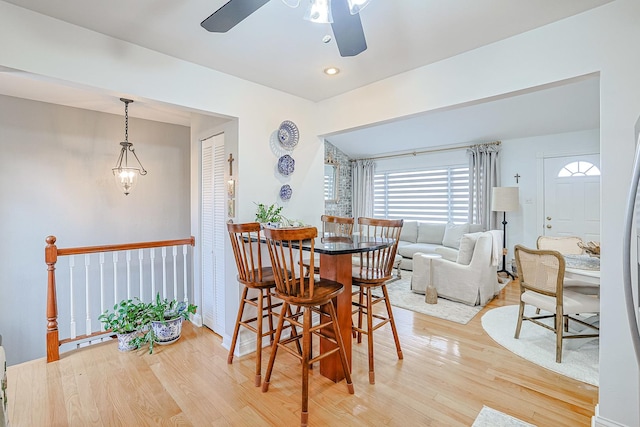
(433, 150)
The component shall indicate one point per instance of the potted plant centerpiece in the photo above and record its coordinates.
(127, 320)
(165, 318)
(268, 215)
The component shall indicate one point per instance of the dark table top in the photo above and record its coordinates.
(349, 245)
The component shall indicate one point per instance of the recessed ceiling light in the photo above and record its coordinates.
(331, 71)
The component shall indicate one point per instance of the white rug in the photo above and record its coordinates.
(538, 345)
(489, 417)
(401, 296)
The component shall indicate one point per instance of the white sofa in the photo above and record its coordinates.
(426, 237)
(468, 275)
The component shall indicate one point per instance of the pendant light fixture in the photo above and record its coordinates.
(127, 176)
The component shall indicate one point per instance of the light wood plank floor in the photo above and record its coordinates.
(448, 373)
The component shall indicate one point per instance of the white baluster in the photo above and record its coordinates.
(184, 272)
(128, 274)
(164, 272)
(115, 277)
(152, 257)
(87, 303)
(175, 273)
(102, 283)
(72, 323)
(140, 258)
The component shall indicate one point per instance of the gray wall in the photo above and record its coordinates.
(55, 164)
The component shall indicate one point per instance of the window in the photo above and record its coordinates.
(434, 195)
(579, 169)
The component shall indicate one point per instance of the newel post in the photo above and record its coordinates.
(53, 343)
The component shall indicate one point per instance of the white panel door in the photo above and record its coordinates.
(572, 197)
(213, 232)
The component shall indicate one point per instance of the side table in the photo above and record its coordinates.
(422, 279)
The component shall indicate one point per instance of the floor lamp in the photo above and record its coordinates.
(504, 199)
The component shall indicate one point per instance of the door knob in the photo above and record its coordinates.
(548, 218)
(548, 225)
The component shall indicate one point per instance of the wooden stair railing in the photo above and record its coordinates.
(52, 252)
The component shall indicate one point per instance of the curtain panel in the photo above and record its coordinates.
(483, 176)
(363, 172)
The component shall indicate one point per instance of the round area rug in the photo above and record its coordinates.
(537, 344)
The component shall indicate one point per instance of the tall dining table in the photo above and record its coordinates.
(336, 264)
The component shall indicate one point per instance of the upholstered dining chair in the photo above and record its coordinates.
(371, 273)
(335, 226)
(541, 285)
(568, 245)
(254, 277)
(311, 296)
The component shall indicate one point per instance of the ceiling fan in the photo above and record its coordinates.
(342, 14)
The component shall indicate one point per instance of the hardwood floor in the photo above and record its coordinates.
(448, 373)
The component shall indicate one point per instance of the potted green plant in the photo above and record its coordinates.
(126, 320)
(165, 319)
(269, 215)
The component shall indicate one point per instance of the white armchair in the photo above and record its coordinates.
(473, 282)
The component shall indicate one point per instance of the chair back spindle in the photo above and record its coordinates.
(378, 264)
(288, 272)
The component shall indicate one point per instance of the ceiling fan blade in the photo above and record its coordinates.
(231, 14)
(347, 29)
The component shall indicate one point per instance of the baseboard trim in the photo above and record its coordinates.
(598, 421)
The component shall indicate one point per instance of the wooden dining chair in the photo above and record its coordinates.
(255, 278)
(371, 273)
(541, 275)
(334, 226)
(311, 296)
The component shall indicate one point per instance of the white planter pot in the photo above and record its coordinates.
(124, 341)
(167, 332)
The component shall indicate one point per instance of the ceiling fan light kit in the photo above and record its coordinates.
(319, 11)
(355, 6)
(343, 15)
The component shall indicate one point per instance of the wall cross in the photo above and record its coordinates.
(230, 160)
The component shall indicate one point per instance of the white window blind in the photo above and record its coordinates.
(434, 195)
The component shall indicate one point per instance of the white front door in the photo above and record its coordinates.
(572, 196)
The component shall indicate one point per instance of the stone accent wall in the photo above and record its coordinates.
(343, 206)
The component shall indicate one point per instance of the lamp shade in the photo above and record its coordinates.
(505, 199)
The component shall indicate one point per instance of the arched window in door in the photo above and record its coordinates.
(579, 169)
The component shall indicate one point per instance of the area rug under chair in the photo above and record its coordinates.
(538, 345)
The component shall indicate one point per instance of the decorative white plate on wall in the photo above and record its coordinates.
(288, 134)
(286, 165)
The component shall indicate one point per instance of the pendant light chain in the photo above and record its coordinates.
(126, 121)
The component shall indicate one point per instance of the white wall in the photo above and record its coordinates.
(603, 40)
(56, 180)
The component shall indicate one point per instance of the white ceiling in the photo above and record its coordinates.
(277, 48)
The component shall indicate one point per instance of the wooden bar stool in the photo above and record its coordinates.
(294, 288)
(245, 241)
(335, 226)
(373, 271)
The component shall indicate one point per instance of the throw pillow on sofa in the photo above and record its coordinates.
(430, 233)
(409, 232)
(453, 234)
(467, 246)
